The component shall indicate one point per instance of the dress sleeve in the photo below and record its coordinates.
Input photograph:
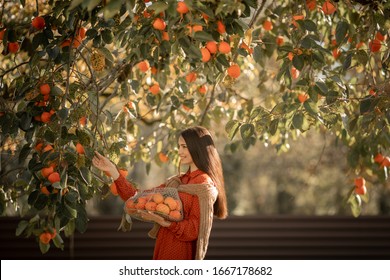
(188, 228)
(125, 188)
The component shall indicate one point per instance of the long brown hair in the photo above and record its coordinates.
(201, 146)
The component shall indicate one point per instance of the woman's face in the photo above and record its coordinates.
(184, 153)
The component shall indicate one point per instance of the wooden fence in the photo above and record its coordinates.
(236, 238)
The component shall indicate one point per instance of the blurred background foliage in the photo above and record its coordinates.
(296, 93)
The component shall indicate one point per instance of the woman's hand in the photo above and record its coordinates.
(104, 164)
(149, 216)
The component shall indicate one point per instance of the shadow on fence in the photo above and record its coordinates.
(236, 238)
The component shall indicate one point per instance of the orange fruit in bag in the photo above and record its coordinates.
(158, 198)
(163, 208)
(170, 202)
(175, 214)
(150, 206)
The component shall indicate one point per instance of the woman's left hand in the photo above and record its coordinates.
(155, 218)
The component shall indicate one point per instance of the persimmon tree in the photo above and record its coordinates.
(122, 77)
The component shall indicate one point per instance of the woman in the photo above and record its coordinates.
(201, 190)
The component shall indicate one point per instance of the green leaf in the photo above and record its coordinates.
(112, 8)
(223, 60)
(322, 87)
(158, 7)
(231, 128)
(82, 219)
(362, 57)
(298, 62)
(75, 3)
(203, 36)
(366, 104)
(311, 107)
(108, 36)
(21, 227)
(273, 126)
(246, 131)
(347, 61)
(86, 175)
(44, 247)
(341, 31)
(297, 120)
(309, 25)
(24, 152)
(91, 4)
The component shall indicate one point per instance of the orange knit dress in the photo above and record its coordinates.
(178, 241)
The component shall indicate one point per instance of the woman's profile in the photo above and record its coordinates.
(201, 190)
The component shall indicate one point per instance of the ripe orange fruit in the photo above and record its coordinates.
(205, 54)
(360, 182)
(38, 23)
(182, 8)
(202, 89)
(224, 47)
(328, 8)
(65, 43)
(113, 189)
(44, 190)
(171, 202)
(302, 97)
(336, 53)
(234, 71)
(54, 177)
(379, 36)
(162, 208)
(175, 215)
(83, 121)
(163, 157)
(375, 45)
(295, 18)
(221, 29)
(361, 190)
(280, 40)
(267, 25)
(150, 206)
(47, 148)
(44, 89)
(81, 33)
(2, 34)
(45, 237)
(191, 77)
(143, 66)
(13, 47)
(159, 24)
(294, 72)
(212, 47)
(46, 171)
(197, 28)
(158, 198)
(165, 36)
(385, 162)
(154, 89)
(290, 56)
(80, 149)
(45, 117)
(379, 158)
(311, 5)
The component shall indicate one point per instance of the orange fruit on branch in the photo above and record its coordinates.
(54, 177)
(159, 24)
(302, 97)
(328, 8)
(234, 71)
(360, 182)
(191, 77)
(13, 47)
(46, 171)
(163, 157)
(45, 237)
(2, 34)
(38, 23)
(45, 117)
(143, 66)
(224, 47)
(80, 149)
(375, 45)
(182, 8)
(212, 47)
(44, 89)
(154, 89)
(267, 25)
(205, 54)
(221, 29)
(311, 5)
